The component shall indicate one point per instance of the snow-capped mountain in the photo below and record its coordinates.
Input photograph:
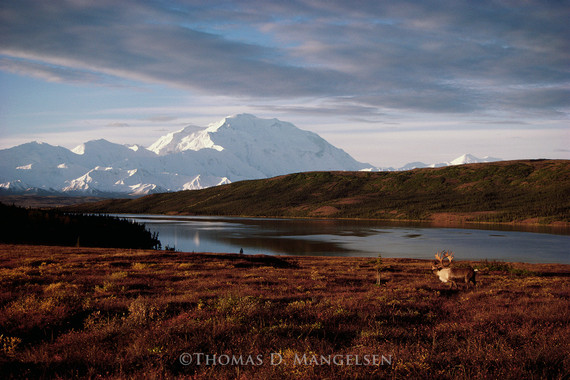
(236, 148)
(461, 160)
(470, 159)
(268, 146)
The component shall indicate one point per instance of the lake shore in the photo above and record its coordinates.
(438, 220)
(81, 312)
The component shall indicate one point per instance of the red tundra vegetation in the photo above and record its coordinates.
(120, 313)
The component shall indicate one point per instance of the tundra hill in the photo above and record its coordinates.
(529, 191)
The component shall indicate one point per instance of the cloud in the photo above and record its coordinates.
(118, 124)
(161, 118)
(50, 73)
(112, 42)
(331, 107)
(419, 56)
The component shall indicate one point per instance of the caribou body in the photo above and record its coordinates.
(450, 274)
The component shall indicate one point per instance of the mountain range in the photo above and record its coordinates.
(236, 148)
(461, 160)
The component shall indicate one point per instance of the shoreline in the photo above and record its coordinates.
(453, 220)
(5, 248)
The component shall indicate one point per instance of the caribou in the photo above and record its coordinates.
(450, 274)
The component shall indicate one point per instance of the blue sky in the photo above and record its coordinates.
(387, 81)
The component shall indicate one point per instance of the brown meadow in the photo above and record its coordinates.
(117, 313)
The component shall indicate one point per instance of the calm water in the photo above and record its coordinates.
(351, 238)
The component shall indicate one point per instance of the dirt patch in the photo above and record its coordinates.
(448, 218)
(467, 186)
(348, 201)
(325, 211)
(301, 208)
(280, 177)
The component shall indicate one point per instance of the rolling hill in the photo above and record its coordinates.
(531, 191)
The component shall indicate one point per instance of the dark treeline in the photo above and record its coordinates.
(31, 226)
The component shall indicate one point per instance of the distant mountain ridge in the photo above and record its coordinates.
(235, 148)
(461, 160)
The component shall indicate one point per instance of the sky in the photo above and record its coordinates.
(389, 82)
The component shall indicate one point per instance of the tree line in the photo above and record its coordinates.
(52, 227)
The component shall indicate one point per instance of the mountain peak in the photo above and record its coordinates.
(94, 145)
(465, 159)
(461, 160)
(243, 116)
(236, 133)
(471, 159)
(242, 121)
(188, 138)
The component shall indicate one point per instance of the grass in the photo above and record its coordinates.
(532, 191)
(120, 313)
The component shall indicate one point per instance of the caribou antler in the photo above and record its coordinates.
(439, 257)
(449, 255)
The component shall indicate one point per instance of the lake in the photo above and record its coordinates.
(352, 238)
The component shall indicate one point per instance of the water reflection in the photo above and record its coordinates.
(352, 238)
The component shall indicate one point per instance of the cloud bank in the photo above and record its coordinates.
(427, 56)
(388, 81)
